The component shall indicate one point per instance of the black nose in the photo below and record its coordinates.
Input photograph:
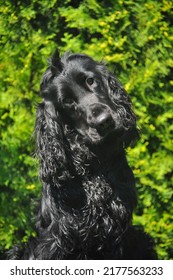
(100, 118)
(104, 123)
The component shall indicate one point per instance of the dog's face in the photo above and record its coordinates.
(89, 99)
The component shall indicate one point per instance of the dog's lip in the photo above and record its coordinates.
(104, 132)
(115, 133)
(98, 139)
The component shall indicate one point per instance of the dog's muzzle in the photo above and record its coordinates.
(101, 119)
(104, 124)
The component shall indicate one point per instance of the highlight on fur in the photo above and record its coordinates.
(83, 125)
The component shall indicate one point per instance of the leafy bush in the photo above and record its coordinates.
(135, 39)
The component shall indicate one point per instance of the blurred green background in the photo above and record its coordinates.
(135, 39)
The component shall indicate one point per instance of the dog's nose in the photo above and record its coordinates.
(104, 123)
(100, 118)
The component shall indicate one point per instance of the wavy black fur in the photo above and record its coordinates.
(82, 128)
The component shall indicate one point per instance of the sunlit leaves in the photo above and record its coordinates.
(135, 38)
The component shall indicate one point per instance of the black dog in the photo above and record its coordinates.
(83, 126)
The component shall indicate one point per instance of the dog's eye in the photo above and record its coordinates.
(68, 101)
(90, 81)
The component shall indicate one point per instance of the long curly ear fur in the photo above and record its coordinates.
(52, 148)
(122, 100)
(51, 145)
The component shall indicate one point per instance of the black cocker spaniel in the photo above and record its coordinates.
(83, 126)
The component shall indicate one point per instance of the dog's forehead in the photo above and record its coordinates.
(84, 65)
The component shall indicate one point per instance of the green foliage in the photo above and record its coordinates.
(135, 39)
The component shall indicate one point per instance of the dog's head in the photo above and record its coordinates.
(88, 98)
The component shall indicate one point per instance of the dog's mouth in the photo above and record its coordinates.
(101, 128)
(106, 131)
(101, 136)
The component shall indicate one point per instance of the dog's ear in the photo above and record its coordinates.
(48, 89)
(49, 96)
(55, 68)
(114, 85)
(119, 96)
(51, 152)
(56, 63)
(51, 145)
(49, 130)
